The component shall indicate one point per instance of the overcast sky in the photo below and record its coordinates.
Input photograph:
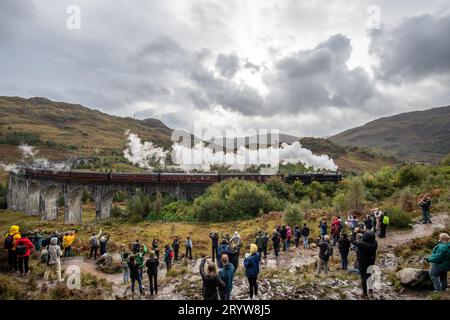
(309, 68)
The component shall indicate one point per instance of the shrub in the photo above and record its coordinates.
(279, 189)
(234, 199)
(355, 194)
(315, 191)
(340, 202)
(293, 215)
(398, 217)
(411, 175)
(299, 189)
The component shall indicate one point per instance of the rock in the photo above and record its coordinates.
(313, 245)
(415, 278)
(108, 260)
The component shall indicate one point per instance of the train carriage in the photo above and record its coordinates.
(89, 175)
(134, 177)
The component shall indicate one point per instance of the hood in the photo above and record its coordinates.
(369, 237)
(54, 241)
(13, 229)
(236, 234)
(226, 266)
(253, 248)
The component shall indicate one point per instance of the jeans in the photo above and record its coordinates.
(426, 215)
(439, 278)
(265, 251)
(276, 249)
(335, 239)
(12, 260)
(305, 242)
(126, 275)
(253, 283)
(23, 264)
(382, 230)
(189, 253)
(175, 252)
(288, 244)
(139, 281)
(344, 260)
(68, 252)
(93, 251)
(324, 263)
(153, 279)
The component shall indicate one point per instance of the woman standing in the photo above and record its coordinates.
(251, 264)
(152, 271)
(211, 281)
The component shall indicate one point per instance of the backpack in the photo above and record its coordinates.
(9, 242)
(21, 249)
(385, 220)
(45, 257)
(171, 254)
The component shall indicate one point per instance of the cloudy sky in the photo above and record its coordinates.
(309, 68)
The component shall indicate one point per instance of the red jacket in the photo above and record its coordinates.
(27, 243)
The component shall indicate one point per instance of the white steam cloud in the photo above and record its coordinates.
(145, 155)
(202, 158)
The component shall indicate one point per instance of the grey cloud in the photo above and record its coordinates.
(227, 65)
(416, 48)
(318, 78)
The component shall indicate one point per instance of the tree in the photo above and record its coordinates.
(355, 194)
(315, 191)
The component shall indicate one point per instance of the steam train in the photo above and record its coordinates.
(209, 178)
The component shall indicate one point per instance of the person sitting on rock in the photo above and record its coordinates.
(440, 263)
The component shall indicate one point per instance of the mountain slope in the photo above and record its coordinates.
(417, 136)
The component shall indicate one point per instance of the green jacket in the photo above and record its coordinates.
(440, 257)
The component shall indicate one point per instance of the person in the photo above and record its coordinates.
(93, 240)
(211, 281)
(155, 247)
(226, 237)
(226, 274)
(297, 234)
(140, 261)
(368, 225)
(352, 222)
(377, 215)
(176, 247)
(440, 263)
(188, 245)
(168, 256)
(251, 265)
(325, 252)
(265, 243)
(358, 236)
(125, 270)
(67, 241)
(11, 239)
(214, 245)
(335, 231)
(323, 228)
(152, 264)
(135, 275)
(425, 205)
(384, 222)
(283, 235)
(288, 237)
(236, 240)
(37, 240)
(276, 238)
(367, 251)
(136, 247)
(103, 242)
(344, 249)
(234, 256)
(224, 249)
(260, 242)
(23, 251)
(305, 235)
(53, 260)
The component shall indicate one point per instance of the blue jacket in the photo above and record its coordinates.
(227, 274)
(251, 264)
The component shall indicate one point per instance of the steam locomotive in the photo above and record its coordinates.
(209, 178)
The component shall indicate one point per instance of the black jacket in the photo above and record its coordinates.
(152, 265)
(305, 231)
(367, 251)
(344, 246)
(276, 239)
(134, 270)
(323, 252)
(283, 233)
(215, 239)
(210, 284)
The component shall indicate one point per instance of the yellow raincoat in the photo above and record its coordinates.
(14, 231)
(67, 240)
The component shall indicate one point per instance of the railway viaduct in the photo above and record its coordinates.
(38, 195)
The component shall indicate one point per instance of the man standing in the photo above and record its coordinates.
(188, 245)
(425, 205)
(367, 252)
(440, 263)
(214, 245)
(176, 247)
(305, 235)
(11, 239)
(95, 243)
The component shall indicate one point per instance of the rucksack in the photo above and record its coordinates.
(171, 254)
(9, 242)
(385, 220)
(21, 249)
(45, 256)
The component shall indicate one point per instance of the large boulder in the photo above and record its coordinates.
(415, 278)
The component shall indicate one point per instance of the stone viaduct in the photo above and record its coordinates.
(37, 195)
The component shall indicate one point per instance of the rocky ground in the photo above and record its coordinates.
(290, 276)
